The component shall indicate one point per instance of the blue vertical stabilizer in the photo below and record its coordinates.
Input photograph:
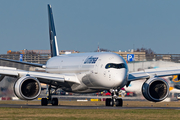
(52, 34)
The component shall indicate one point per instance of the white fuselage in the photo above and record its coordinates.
(95, 71)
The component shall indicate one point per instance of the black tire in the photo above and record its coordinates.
(55, 101)
(109, 102)
(44, 102)
(119, 102)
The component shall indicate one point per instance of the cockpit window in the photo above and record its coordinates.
(117, 66)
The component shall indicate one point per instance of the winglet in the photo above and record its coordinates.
(52, 33)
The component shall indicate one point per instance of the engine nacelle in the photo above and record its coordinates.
(27, 88)
(155, 89)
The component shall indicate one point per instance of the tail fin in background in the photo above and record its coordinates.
(52, 33)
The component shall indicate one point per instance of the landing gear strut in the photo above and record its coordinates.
(49, 99)
(114, 100)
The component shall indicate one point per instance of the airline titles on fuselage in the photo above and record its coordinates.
(91, 60)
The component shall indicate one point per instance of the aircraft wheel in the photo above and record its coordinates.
(109, 102)
(44, 102)
(119, 102)
(55, 101)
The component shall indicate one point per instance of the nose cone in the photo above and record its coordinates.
(119, 77)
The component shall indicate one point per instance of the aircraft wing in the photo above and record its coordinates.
(41, 76)
(148, 73)
(23, 62)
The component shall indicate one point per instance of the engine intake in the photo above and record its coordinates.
(155, 89)
(27, 88)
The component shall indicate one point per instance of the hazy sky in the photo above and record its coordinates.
(82, 24)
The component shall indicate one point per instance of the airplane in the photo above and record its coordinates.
(85, 73)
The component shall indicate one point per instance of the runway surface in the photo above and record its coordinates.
(70, 102)
(79, 107)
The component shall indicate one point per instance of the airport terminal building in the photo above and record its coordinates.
(41, 56)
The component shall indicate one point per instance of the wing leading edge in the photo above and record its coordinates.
(26, 63)
(41, 76)
(159, 72)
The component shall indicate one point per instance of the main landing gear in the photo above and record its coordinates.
(114, 100)
(49, 99)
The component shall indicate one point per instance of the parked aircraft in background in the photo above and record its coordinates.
(85, 73)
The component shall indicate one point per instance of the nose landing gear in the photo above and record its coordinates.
(114, 100)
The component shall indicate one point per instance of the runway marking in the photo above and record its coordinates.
(79, 107)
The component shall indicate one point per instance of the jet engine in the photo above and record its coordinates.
(27, 88)
(155, 89)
